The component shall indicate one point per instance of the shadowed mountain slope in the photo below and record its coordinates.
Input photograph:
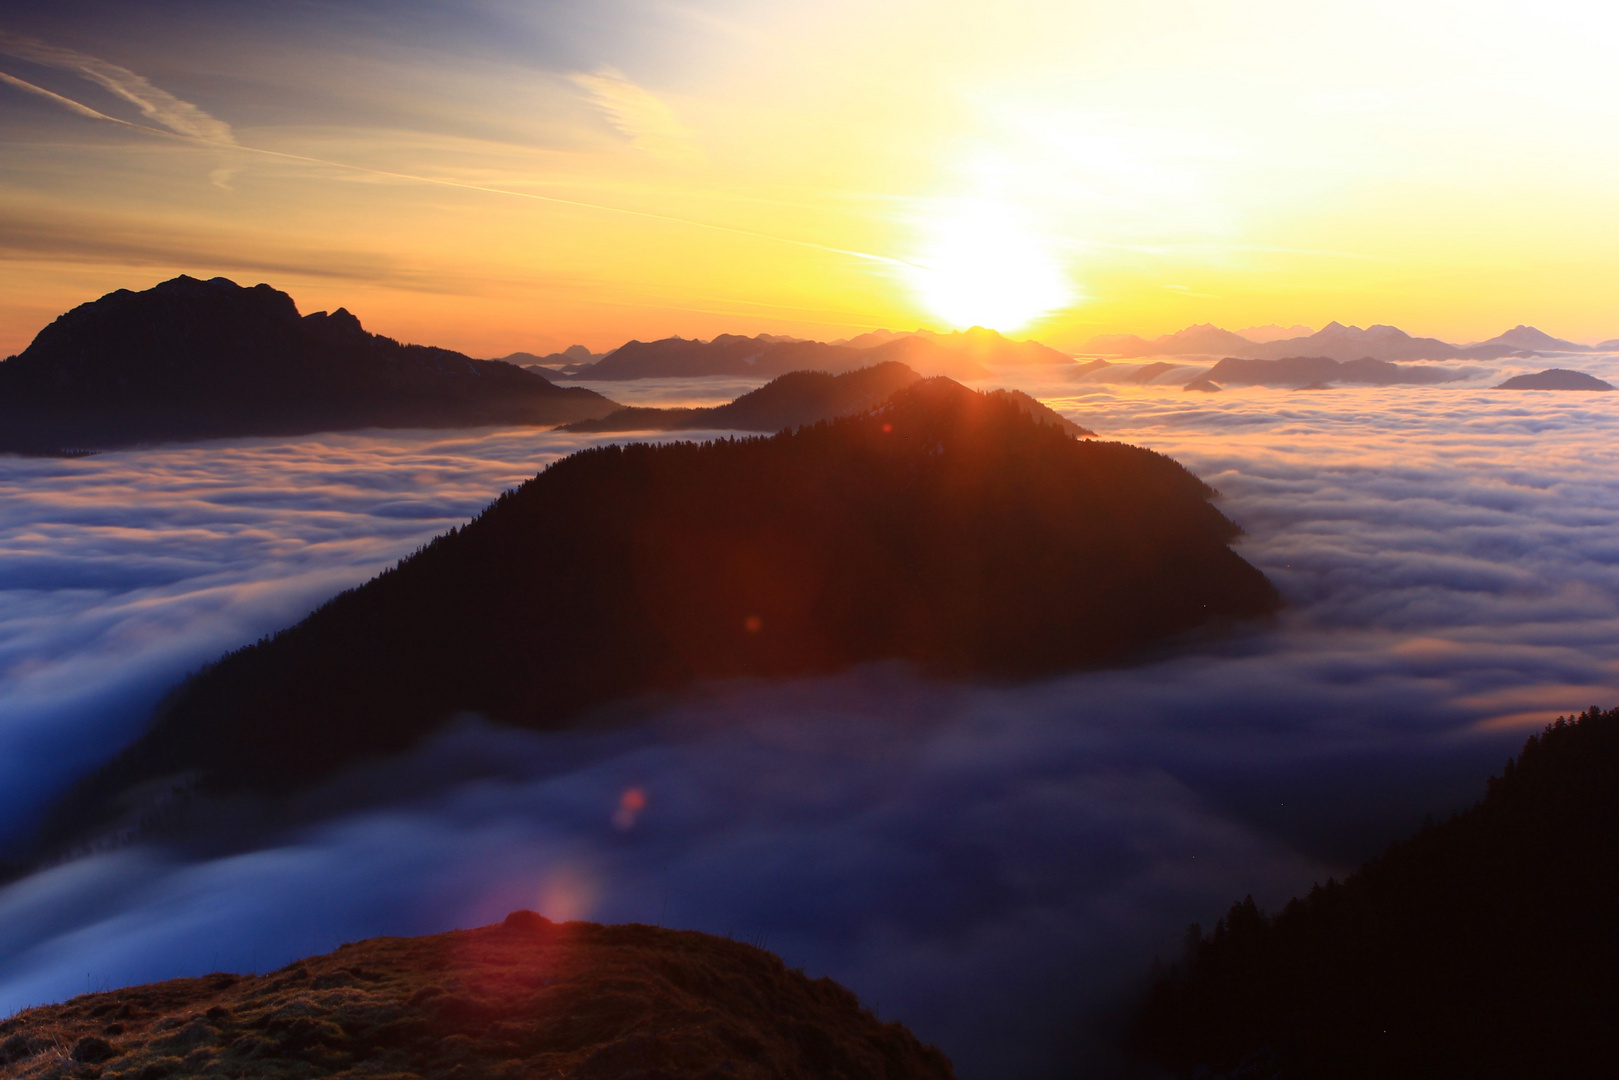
(798, 398)
(791, 400)
(1555, 379)
(945, 528)
(575, 1001)
(1484, 947)
(193, 359)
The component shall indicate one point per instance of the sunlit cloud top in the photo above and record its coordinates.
(497, 176)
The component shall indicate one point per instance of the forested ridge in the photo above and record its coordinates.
(1485, 946)
(946, 528)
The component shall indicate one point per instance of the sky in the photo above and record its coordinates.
(995, 866)
(495, 175)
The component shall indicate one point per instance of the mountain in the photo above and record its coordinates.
(555, 364)
(791, 400)
(1555, 379)
(1272, 332)
(1301, 371)
(1484, 947)
(946, 528)
(1205, 339)
(966, 354)
(1335, 340)
(1341, 342)
(1611, 345)
(728, 354)
(1532, 340)
(574, 1001)
(192, 359)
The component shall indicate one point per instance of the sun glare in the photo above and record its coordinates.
(982, 266)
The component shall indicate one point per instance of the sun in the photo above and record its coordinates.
(982, 266)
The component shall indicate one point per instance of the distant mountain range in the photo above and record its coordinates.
(798, 398)
(968, 354)
(1335, 341)
(945, 527)
(192, 359)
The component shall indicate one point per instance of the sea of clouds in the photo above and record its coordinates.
(995, 866)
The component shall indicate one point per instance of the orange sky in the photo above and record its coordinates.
(494, 177)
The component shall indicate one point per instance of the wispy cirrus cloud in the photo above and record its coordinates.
(156, 104)
(638, 114)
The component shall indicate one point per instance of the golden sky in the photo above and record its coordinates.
(494, 176)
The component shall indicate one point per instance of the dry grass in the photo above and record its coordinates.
(528, 998)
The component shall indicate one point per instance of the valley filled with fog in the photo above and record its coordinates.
(996, 866)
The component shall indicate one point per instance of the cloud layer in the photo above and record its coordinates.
(995, 866)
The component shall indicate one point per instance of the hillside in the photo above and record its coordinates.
(946, 528)
(795, 399)
(1555, 379)
(573, 1001)
(192, 359)
(1484, 947)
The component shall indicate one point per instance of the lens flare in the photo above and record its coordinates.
(983, 266)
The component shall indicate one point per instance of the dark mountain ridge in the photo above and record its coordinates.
(1555, 379)
(798, 398)
(946, 528)
(1301, 371)
(190, 359)
(1485, 946)
(967, 354)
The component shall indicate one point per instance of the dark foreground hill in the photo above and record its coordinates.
(193, 359)
(946, 528)
(798, 398)
(575, 1001)
(1484, 947)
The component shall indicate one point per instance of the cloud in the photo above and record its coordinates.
(157, 105)
(995, 866)
(65, 102)
(638, 114)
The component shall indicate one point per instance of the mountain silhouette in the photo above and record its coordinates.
(526, 997)
(946, 528)
(190, 359)
(968, 354)
(1484, 947)
(1527, 337)
(1297, 372)
(1335, 341)
(1555, 379)
(794, 399)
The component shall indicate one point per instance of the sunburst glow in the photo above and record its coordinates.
(984, 266)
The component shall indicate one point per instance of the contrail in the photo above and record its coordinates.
(226, 142)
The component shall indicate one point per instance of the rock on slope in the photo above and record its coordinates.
(192, 359)
(575, 1001)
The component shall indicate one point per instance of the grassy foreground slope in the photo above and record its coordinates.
(575, 1001)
